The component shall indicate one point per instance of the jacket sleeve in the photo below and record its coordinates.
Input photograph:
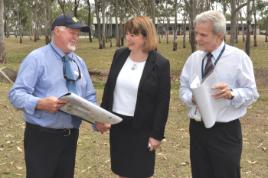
(162, 101)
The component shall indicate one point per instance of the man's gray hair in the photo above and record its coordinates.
(216, 18)
(62, 28)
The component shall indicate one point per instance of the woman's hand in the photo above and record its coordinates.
(101, 127)
(153, 144)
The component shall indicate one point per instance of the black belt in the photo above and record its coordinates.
(64, 132)
(216, 123)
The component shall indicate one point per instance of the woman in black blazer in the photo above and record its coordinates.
(138, 90)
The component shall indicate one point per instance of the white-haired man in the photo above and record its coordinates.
(216, 152)
(50, 138)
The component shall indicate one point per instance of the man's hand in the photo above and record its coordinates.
(193, 100)
(222, 90)
(50, 104)
(101, 127)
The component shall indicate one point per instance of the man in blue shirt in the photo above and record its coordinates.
(50, 138)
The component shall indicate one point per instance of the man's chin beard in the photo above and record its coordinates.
(71, 47)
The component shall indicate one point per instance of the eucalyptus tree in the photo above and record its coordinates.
(8, 21)
(175, 31)
(165, 12)
(62, 4)
(48, 19)
(191, 8)
(98, 4)
(89, 20)
(262, 7)
(248, 32)
(2, 44)
(255, 23)
(117, 34)
(76, 5)
(38, 7)
(184, 30)
(23, 18)
(234, 10)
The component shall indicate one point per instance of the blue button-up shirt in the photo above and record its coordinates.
(41, 75)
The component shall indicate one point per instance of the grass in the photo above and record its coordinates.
(93, 148)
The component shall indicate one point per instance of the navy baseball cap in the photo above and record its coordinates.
(70, 22)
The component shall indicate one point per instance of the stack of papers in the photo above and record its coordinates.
(87, 111)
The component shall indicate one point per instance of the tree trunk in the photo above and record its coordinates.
(184, 31)
(266, 34)
(233, 22)
(76, 5)
(117, 38)
(175, 40)
(6, 31)
(247, 43)
(89, 21)
(191, 8)
(62, 5)
(48, 11)
(121, 31)
(103, 36)
(167, 31)
(111, 31)
(242, 26)
(255, 23)
(2, 44)
(97, 8)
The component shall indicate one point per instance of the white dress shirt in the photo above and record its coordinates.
(233, 68)
(126, 88)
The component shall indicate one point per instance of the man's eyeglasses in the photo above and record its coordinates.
(69, 68)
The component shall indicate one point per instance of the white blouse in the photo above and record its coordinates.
(126, 88)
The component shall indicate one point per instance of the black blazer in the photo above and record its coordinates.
(153, 92)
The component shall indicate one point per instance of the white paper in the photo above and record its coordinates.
(87, 111)
(207, 105)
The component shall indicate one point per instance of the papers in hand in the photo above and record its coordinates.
(207, 105)
(87, 111)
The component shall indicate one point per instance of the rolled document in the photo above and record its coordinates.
(207, 105)
(87, 111)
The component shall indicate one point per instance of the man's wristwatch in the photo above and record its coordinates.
(232, 94)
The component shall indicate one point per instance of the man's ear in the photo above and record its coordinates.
(56, 31)
(220, 36)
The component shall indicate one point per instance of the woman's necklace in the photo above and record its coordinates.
(134, 66)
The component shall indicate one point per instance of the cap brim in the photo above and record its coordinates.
(83, 28)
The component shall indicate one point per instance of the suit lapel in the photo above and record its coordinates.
(148, 67)
(120, 61)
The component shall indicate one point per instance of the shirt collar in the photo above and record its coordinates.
(59, 52)
(217, 51)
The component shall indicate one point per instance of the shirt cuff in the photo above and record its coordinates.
(31, 104)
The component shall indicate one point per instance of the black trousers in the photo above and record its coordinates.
(49, 153)
(215, 152)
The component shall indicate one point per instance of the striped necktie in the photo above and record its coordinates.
(209, 65)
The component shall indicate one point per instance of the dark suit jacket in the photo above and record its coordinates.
(153, 92)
